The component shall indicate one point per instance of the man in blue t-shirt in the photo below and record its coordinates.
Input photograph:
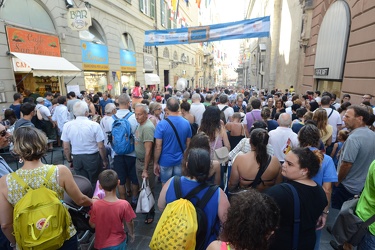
(16, 106)
(169, 151)
(104, 102)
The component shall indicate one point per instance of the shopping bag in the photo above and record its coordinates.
(146, 200)
(98, 192)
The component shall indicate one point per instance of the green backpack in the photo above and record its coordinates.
(40, 220)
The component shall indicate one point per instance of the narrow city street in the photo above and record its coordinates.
(143, 231)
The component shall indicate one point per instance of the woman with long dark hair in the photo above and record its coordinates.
(256, 162)
(214, 128)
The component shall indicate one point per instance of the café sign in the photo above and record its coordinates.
(79, 18)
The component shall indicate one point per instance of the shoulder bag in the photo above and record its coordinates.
(175, 132)
(221, 154)
(348, 227)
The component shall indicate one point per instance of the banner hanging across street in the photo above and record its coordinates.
(249, 28)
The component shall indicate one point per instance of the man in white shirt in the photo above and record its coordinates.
(223, 103)
(197, 108)
(48, 124)
(61, 114)
(84, 140)
(334, 120)
(283, 139)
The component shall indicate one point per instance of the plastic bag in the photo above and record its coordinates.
(98, 192)
(146, 200)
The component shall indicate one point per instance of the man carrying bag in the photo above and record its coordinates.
(355, 223)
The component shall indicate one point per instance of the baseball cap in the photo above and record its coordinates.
(39, 99)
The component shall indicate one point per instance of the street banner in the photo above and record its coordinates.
(249, 28)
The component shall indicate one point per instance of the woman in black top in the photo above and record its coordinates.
(279, 108)
(301, 164)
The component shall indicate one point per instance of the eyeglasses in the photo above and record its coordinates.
(3, 133)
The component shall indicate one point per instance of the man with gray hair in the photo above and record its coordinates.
(172, 136)
(144, 144)
(87, 141)
(283, 139)
(197, 108)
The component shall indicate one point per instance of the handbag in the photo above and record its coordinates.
(146, 200)
(348, 227)
(221, 154)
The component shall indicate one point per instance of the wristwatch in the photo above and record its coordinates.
(326, 212)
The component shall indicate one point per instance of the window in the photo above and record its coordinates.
(166, 53)
(127, 42)
(147, 7)
(165, 15)
(94, 34)
(175, 56)
(147, 49)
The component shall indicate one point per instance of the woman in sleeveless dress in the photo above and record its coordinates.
(30, 144)
(236, 130)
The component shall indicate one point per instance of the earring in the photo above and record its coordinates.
(20, 161)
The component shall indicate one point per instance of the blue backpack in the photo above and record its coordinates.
(122, 137)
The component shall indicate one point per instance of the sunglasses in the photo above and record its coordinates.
(3, 133)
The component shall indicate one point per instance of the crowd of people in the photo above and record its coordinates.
(321, 146)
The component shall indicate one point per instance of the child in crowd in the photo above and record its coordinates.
(109, 214)
(341, 138)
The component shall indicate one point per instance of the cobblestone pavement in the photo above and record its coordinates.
(143, 231)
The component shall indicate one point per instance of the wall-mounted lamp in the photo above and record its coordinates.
(69, 4)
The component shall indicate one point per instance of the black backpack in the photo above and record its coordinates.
(199, 204)
(222, 115)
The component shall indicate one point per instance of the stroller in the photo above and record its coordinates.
(80, 215)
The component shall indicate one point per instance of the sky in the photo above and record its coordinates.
(234, 11)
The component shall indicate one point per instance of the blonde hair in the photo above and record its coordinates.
(29, 143)
(321, 119)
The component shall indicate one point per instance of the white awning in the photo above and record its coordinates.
(152, 79)
(48, 65)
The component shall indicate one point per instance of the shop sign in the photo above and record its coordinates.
(128, 61)
(321, 72)
(94, 56)
(79, 18)
(148, 63)
(20, 66)
(30, 42)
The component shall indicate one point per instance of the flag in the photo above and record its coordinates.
(198, 3)
(176, 13)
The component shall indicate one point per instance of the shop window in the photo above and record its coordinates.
(94, 34)
(29, 13)
(329, 86)
(127, 42)
(147, 7)
(147, 49)
(166, 53)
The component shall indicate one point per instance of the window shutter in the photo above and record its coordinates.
(152, 8)
(162, 13)
(141, 5)
(169, 19)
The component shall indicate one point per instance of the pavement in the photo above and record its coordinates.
(143, 231)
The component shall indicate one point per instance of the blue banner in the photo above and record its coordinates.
(94, 53)
(249, 28)
(128, 60)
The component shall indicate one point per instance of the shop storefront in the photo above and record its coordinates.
(37, 62)
(151, 80)
(95, 66)
(128, 64)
